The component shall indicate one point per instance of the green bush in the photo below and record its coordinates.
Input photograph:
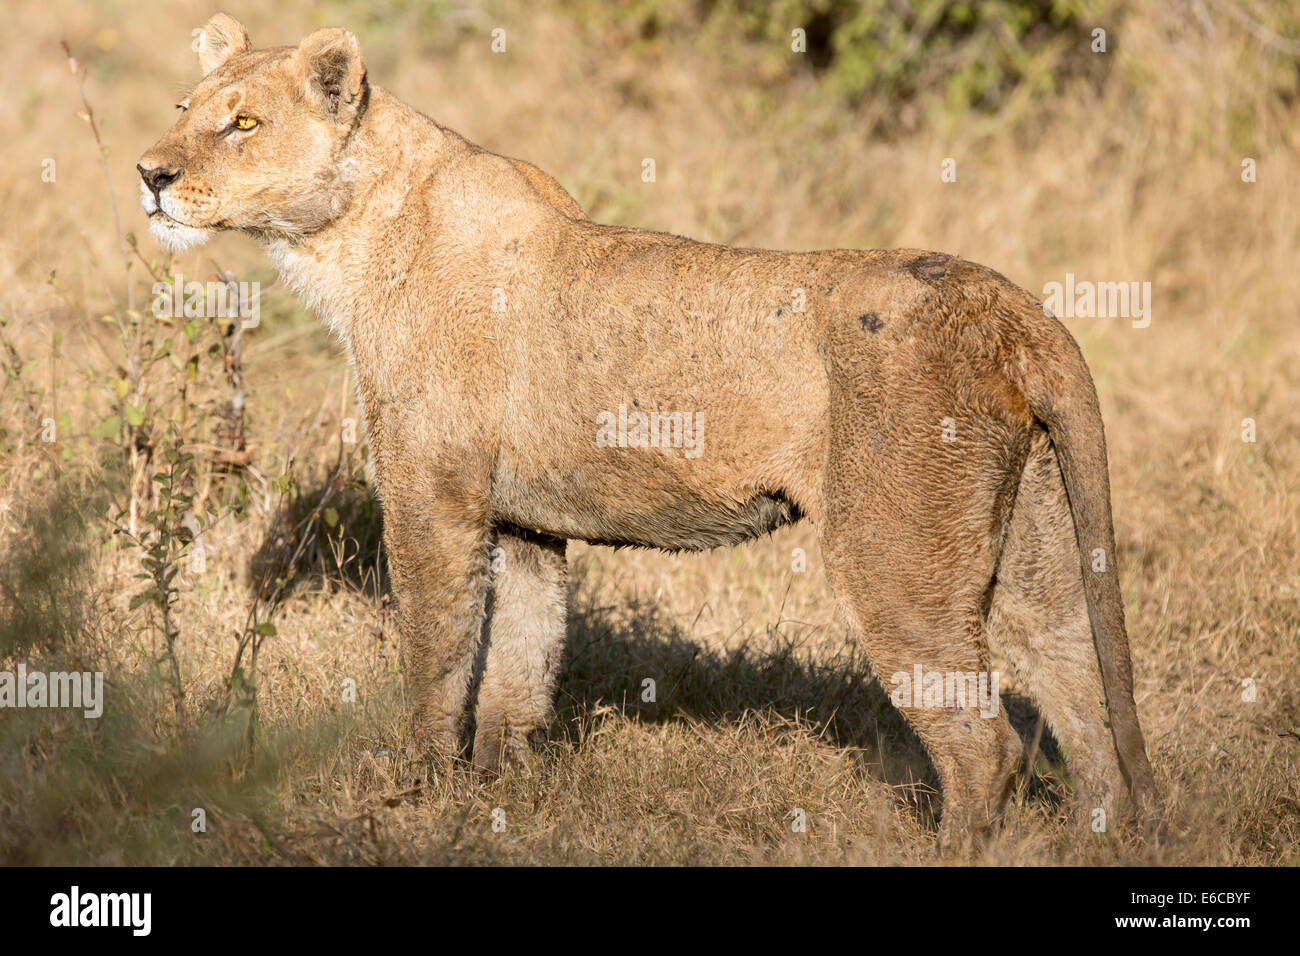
(954, 56)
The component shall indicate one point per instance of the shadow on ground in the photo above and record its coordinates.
(612, 650)
(328, 530)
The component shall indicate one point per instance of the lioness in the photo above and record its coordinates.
(527, 376)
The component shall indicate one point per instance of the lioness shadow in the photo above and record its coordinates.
(612, 651)
(327, 532)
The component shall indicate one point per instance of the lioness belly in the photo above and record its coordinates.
(683, 526)
(634, 502)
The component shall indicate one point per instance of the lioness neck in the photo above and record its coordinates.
(386, 166)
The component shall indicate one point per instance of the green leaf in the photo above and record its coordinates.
(266, 627)
(331, 517)
(110, 428)
(134, 416)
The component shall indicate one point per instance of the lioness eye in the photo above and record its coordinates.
(245, 122)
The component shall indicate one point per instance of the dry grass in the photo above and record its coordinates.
(763, 705)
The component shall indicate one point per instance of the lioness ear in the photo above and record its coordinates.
(222, 37)
(330, 61)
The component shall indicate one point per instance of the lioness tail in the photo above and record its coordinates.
(1060, 392)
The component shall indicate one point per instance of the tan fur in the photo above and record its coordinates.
(491, 325)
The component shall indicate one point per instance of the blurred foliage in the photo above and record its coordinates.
(45, 602)
(901, 64)
(955, 55)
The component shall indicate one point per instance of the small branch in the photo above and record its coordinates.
(88, 115)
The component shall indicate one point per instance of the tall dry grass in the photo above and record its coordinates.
(764, 704)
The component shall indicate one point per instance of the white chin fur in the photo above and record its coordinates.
(173, 236)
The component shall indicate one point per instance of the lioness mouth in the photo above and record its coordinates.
(159, 212)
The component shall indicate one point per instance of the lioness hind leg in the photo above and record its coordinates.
(1038, 617)
(920, 481)
(914, 602)
(525, 643)
(975, 751)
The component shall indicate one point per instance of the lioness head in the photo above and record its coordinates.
(260, 143)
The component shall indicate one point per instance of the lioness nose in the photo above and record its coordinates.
(159, 177)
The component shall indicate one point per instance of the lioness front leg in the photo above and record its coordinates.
(437, 556)
(525, 644)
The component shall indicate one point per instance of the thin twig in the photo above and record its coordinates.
(88, 115)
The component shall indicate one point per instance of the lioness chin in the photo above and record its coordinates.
(530, 377)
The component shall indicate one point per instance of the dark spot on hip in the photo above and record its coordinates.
(930, 268)
(871, 322)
